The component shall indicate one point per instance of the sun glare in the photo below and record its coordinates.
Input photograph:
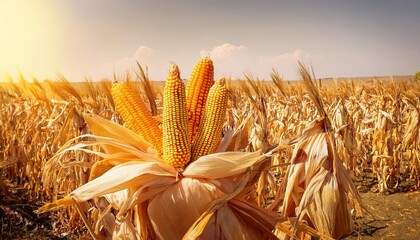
(28, 30)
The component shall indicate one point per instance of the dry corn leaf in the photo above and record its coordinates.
(102, 127)
(318, 180)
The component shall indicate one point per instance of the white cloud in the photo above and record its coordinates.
(286, 63)
(146, 56)
(290, 57)
(229, 60)
(297, 55)
(223, 51)
(144, 51)
(143, 54)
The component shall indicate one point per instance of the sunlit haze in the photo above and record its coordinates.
(96, 39)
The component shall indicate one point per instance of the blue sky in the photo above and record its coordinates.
(97, 38)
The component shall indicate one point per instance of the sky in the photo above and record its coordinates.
(96, 39)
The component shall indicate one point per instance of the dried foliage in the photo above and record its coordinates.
(319, 137)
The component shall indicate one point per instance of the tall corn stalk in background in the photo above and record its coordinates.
(411, 139)
(317, 187)
(259, 134)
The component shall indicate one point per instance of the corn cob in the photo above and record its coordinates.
(136, 115)
(176, 138)
(210, 130)
(199, 84)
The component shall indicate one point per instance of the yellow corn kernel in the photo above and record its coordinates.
(176, 138)
(136, 115)
(210, 130)
(199, 84)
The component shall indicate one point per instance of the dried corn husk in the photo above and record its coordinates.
(215, 185)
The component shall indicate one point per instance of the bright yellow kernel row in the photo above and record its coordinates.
(136, 115)
(210, 130)
(199, 84)
(176, 137)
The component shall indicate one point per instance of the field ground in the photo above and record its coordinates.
(18, 220)
(394, 216)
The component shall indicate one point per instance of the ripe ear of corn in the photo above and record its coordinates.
(176, 137)
(136, 115)
(198, 87)
(210, 130)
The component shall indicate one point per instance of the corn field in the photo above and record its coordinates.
(302, 142)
